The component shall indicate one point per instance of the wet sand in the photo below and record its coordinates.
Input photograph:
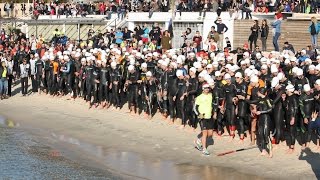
(139, 148)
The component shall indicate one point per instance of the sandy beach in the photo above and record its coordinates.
(155, 140)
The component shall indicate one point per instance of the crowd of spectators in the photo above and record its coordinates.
(123, 7)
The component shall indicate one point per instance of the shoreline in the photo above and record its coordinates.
(155, 140)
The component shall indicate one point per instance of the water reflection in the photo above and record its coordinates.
(24, 157)
(139, 167)
(157, 169)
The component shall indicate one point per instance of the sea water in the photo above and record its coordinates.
(23, 157)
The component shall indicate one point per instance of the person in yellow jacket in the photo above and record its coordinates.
(56, 33)
(203, 109)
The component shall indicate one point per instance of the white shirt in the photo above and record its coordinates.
(33, 66)
(24, 69)
(10, 66)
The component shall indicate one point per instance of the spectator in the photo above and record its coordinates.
(10, 74)
(187, 36)
(166, 41)
(314, 29)
(24, 70)
(119, 36)
(165, 5)
(213, 34)
(198, 40)
(182, 7)
(221, 29)
(3, 79)
(264, 30)
(138, 33)
(204, 7)
(146, 31)
(155, 33)
(287, 7)
(276, 29)
(212, 45)
(254, 34)
(245, 8)
(127, 34)
(214, 5)
(228, 43)
(23, 9)
(190, 5)
(7, 9)
(288, 47)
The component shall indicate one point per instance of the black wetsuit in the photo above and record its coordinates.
(306, 105)
(70, 76)
(278, 112)
(77, 70)
(164, 88)
(83, 86)
(115, 79)
(242, 115)
(63, 78)
(230, 92)
(192, 87)
(39, 72)
(172, 88)
(104, 84)
(150, 90)
(222, 98)
(265, 107)
(133, 88)
(88, 81)
(180, 104)
(215, 107)
(96, 83)
(47, 80)
(299, 83)
(291, 105)
(142, 102)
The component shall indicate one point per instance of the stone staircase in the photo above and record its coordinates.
(293, 31)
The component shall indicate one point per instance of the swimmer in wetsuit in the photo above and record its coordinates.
(291, 105)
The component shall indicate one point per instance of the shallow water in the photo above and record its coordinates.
(51, 155)
(23, 157)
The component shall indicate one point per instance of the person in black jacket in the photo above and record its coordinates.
(288, 46)
(182, 7)
(205, 7)
(254, 34)
(138, 33)
(264, 30)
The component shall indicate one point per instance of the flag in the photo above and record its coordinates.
(170, 28)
